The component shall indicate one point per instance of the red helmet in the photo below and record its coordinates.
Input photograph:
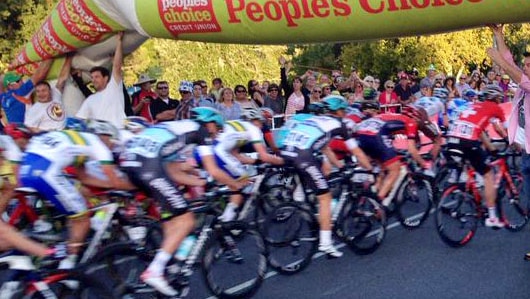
(422, 119)
(17, 130)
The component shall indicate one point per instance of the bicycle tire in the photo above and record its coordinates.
(361, 224)
(291, 235)
(414, 202)
(440, 183)
(276, 189)
(513, 212)
(88, 287)
(120, 265)
(456, 216)
(221, 262)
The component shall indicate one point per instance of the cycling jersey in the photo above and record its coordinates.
(474, 120)
(389, 124)
(375, 138)
(10, 150)
(432, 105)
(280, 134)
(48, 154)
(143, 161)
(455, 107)
(356, 115)
(306, 139)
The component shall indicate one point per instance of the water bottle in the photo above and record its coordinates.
(185, 248)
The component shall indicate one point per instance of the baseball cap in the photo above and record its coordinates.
(11, 77)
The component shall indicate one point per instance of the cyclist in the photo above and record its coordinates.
(458, 105)
(156, 160)
(466, 135)
(42, 169)
(237, 135)
(304, 142)
(435, 105)
(12, 155)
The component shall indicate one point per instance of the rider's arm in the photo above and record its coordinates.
(331, 157)
(265, 156)
(113, 181)
(180, 173)
(415, 154)
(218, 174)
(487, 142)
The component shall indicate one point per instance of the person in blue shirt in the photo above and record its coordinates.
(14, 99)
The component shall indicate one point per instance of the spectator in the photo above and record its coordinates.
(403, 90)
(518, 131)
(265, 87)
(310, 82)
(254, 90)
(141, 100)
(108, 103)
(14, 99)
(358, 94)
(449, 83)
(47, 113)
(388, 97)
(462, 84)
(242, 99)
(431, 76)
(505, 85)
(204, 90)
(198, 98)
(316, 95)
(490, 77)
(324, 79)
(227, 106)
(274, 100)
(215, 91)
(163, 108)
(326, 90)
(183, 110)
(425, 91)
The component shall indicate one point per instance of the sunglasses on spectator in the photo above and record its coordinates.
(327, 88)
(184, 91)
(463, 78)
(273, 89)
(241, 90)
(162, 87)
(204, 86)
(391, 87)
(18, 81)
(317, 91)
(369, 81)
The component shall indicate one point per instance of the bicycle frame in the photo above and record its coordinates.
(23, 208)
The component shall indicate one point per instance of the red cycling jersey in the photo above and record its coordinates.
(474, 120)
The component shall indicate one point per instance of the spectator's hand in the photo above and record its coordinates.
(282, 61)
(496, 28)
(119, 35)
(494, 54)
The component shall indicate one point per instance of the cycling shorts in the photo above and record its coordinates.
(227, 162)
(308, 167)
(378, 147)
(472, 151)
(149, 175)
(47, 178)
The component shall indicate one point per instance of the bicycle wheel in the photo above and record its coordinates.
(55, 285)
(291, 237)
(442, 180)
(361, 224)
(513, 212)
(414, 202)
(276, 188)
(120, 265)
(456, 217)
(234, 264)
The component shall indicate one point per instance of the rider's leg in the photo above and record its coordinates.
(10, 238)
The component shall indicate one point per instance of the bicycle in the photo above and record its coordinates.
(232, 255)
(20, 278)
(460, 208)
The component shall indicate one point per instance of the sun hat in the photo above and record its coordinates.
(144, 78)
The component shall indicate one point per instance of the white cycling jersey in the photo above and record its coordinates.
(63, 148)
(432, 105)
(10, 150)
(237, 133)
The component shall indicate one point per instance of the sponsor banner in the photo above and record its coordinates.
(78, 23)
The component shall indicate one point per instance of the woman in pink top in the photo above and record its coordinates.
(388, 97)
(296, 101)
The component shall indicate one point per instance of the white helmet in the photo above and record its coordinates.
(101, 127)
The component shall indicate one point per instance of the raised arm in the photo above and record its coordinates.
(42, 71)
(65, 72)
(117, 62)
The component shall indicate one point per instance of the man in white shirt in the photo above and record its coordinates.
(47, 113)
(108, 102)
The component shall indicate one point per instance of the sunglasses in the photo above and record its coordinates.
(241, 90)
(274, 89)
(184, 91)
(390, 87)
(317, 91)
(463, 78)
(204, 86)
(162, 87)
(369, 81)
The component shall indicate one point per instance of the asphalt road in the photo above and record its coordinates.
(411, 264)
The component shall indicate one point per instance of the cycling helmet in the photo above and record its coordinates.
(101, 127)
(316, 108)
(17, 131)
(440, 92)
(252, 114)
(334, 103)
(369, 94)
(267, 112)
(136, 123)
(75, 124)
(469, 93)
(206, 115)
(422, 119)
(492, 92)
(370, 105)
